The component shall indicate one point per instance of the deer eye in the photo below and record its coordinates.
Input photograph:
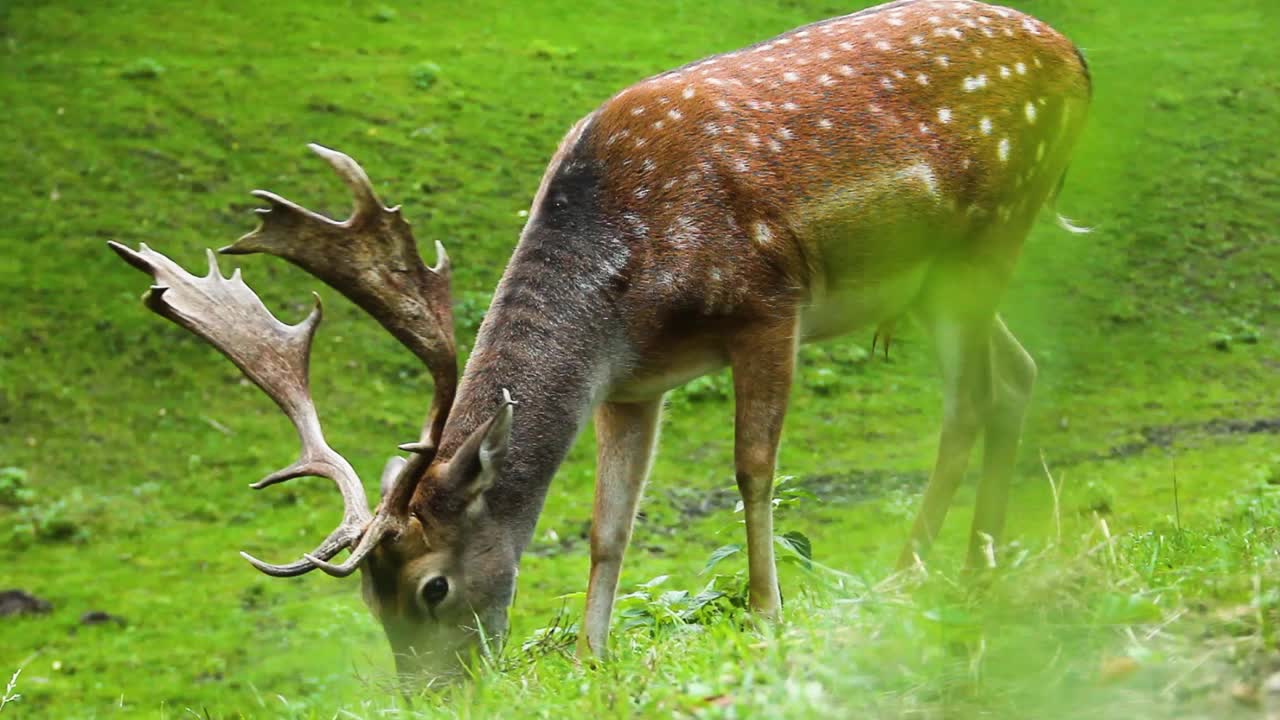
(434, 591)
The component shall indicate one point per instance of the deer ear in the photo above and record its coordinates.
(477, 464)
(493, 448)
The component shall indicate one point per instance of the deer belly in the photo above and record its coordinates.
(679, 363)
(859, 303)
(867, 273)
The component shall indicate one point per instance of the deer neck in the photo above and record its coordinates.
(552, 341)
(553, 337)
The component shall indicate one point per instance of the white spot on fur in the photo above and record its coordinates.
(637, 110)
(825, 80)
(985, 125)
(943, 61)
(688, 92)
(674, 114)
(636, 223)
(922, 79)
(1002, 150)
(845, 70)
(790, 106)
(683, 232)
(790, 76)
(763, 234)
(1005, 72)
(824, 123)
(944, 115)
(1031, 112)
(976, 82)
(1021, 67)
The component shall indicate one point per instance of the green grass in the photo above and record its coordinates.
(1155, 337)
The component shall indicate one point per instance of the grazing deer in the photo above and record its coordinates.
(836, 178)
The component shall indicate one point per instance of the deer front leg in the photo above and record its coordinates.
(626, 435)
(763, 361)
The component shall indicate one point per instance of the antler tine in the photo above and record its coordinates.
(387, 522)
(228, 315)
(367, 204)
(372, 259)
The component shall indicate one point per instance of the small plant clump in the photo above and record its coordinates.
(425, 75)
(144, 68)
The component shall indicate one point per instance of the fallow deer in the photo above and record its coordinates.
(841, 176)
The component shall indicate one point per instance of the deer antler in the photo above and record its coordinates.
(227, 314)
(372, 258)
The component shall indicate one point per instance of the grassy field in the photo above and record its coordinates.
(1146, 590)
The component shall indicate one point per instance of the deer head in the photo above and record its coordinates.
(436, 571)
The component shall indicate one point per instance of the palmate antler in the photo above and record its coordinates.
(372, 259)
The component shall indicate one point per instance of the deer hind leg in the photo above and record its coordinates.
(626, 435)
(964, 356)
(1013, 373)
(763, 361)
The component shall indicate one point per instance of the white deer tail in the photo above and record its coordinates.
(1063, 221)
